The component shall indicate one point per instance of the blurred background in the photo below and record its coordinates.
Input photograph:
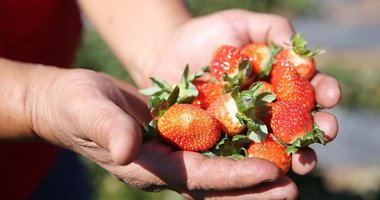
(349, 31)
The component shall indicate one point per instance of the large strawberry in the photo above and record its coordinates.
(292, 87)
(179, 123)
(299, 57)
(226, 59)
(188, 127)
(272, 151)
(293, 125)
(208, 91)
(261, 57)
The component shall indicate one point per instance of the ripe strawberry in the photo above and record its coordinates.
(208, 91)
(292, 87)
(188, 127)
(299, 57)
(226, 60)
(261, 57)
(224, 110)
(290, 121)
(288, 58)
(272, 151)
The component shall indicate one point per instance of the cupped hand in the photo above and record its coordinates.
(194, 42)
(91, 113)
(87, 112)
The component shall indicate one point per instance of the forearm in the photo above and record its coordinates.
(131, 27)
(14, 80)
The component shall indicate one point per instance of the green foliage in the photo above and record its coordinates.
(360, 88)
(287, 8)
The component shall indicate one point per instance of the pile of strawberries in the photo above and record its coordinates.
(255, 101)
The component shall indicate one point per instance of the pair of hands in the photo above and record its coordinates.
(99, 116)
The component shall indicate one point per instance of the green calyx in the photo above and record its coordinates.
(234, 147)
(274, 50)
(243, 76)
(250, 103)
(299, 45)
(187, 90)
(162, 95)
(314, 136)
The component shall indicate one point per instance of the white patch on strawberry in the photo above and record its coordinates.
(232, 110)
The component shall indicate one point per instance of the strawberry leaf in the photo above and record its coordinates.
(264, 98)
(291, 150)
(206, 69)
(231, 147)
(268, 66)
(257, 136)
(245, 71)
(244, 76)
(157, 106)
(299, 45)
(173, 96)
(208, 154)
(314, 136)
(256, 87)
(236, 156)
(159, 88)
(150, 131)
(188, 91)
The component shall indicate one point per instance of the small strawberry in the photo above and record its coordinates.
(299, 57)
(208, 91)
(237, 110)
(292, 87)
(272, 151)
(261, 57)
(188, 127)
(293, 125)
(226, 60)
(224, 110)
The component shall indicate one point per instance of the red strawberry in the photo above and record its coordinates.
(272, 151)
(208, 91)
(299, 57)
(188, 127)
(303, 65)
(226, 60)
(290, 121)
(224, 110)
(260, 56)
(292, 87)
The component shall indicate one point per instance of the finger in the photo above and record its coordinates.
(137, 103)
(328, 123)
(304, 161)
(269, 28)
(283, 188)
(193, 171)
(327, 90)
(111, 128)
(202, 173)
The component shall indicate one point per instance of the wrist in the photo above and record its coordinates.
(14, 80)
